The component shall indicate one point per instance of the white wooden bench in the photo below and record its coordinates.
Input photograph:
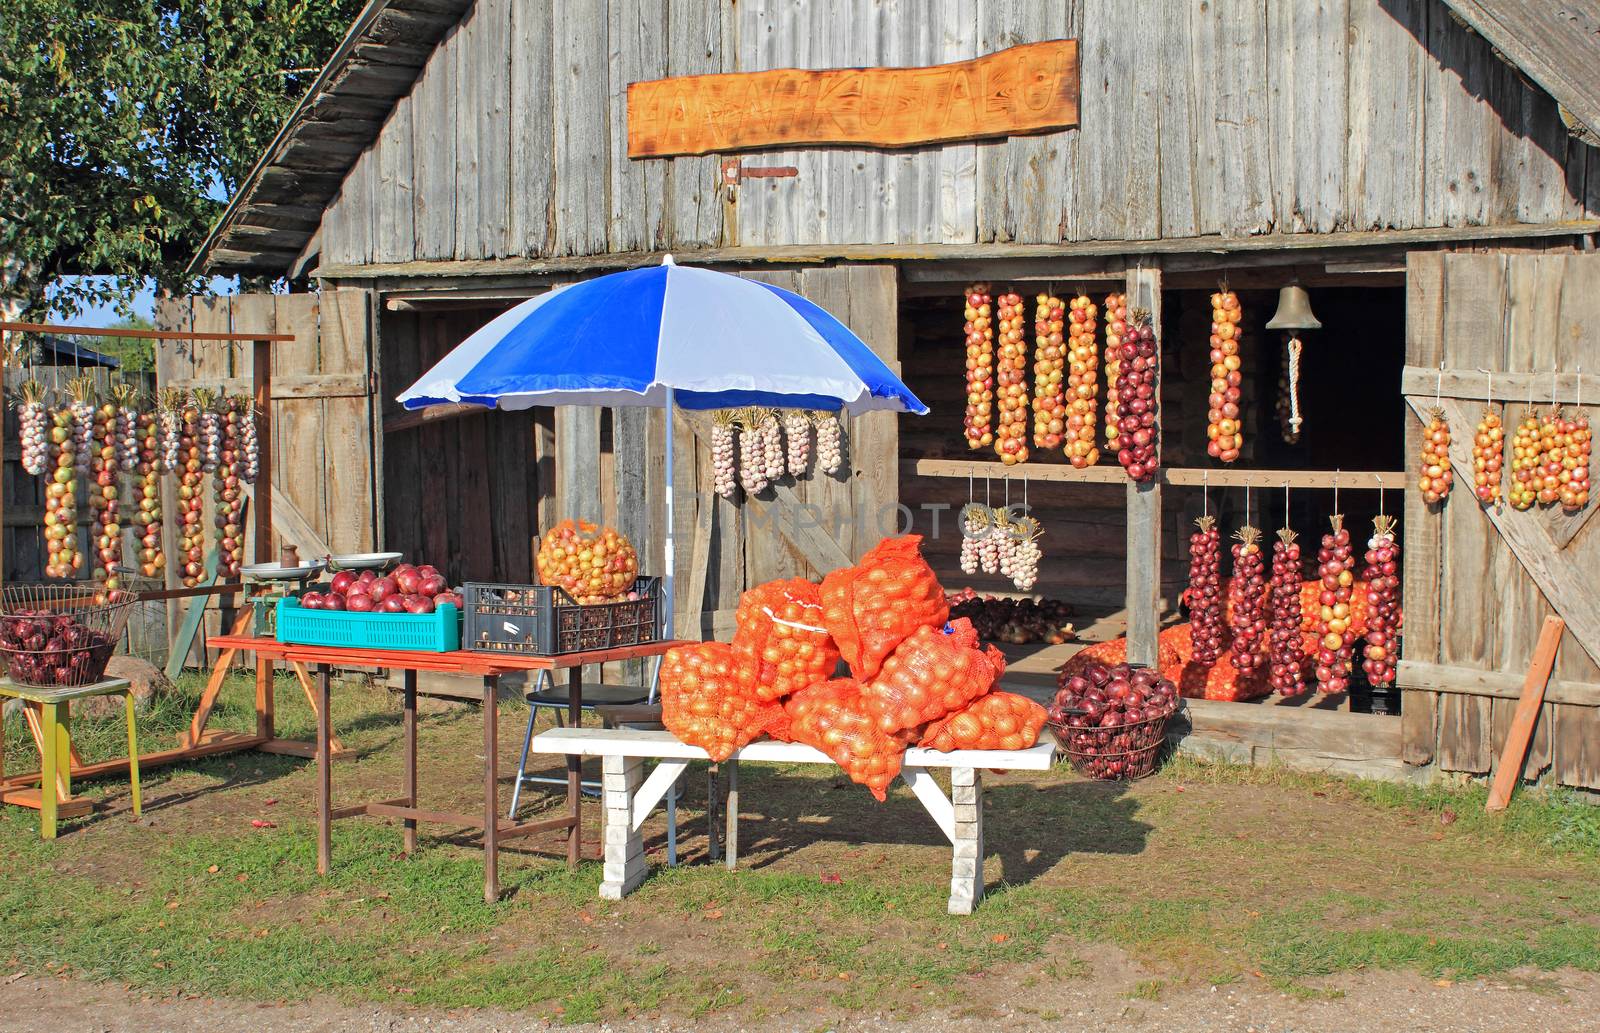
(630, 797)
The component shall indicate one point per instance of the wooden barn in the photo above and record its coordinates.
(1426, 169)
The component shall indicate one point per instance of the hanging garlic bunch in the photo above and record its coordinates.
(169, 428)
(82, 391)
(249, 444)
(830, 442)
(34, 426)
(797, 441)
(210, 429)
(752, 457)
(974, 526)
(127, 427)
(1026, 554)
(1005, 537)
(989, 545)
(724, 467)
(771, 443)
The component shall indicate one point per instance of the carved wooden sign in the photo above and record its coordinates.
(1031, 88)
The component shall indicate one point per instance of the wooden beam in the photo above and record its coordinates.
(1516, 747)
(290, 524)
(1279, 244)
(432, 414)
(1449, 679)
(151, 335)
(1552, 44)
(1511, 388)
(1222, 477)
(1143, 598)
(313, 385)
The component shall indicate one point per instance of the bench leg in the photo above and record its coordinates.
(966, 877)
(732, 825)
(624, 847)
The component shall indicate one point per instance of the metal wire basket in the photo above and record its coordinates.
(61, 635)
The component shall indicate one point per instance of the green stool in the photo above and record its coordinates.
(55, 747)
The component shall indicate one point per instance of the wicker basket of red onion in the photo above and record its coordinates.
(60, 635)
(1112, 721)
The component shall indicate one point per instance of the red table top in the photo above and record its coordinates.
(460, 661)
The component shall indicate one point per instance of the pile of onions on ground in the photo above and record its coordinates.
(1100, 708)
(409, 589)
(1013, 621)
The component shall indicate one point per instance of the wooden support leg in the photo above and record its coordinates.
(713, 815)
(266, 700)
(219, 674)
(48, 772)
(575, 769)
(33, 715)
(491, 789)
(64, 747)
(966, 877)
(733, 815)
(304, 678)
(624, 847)
(324, 771)
(133, 751)
(409, 772)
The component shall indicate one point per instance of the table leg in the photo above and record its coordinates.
(409, 774)
(732, 825)
(575, 769)
(966, 874)
(713, 815)
(64, 747)
(324, 770)
(625, 865)
(133, 751)
(491, 788)
(47, 772)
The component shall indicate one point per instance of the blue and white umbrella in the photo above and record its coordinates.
(663, 336)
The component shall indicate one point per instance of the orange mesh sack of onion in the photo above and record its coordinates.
(707, 702)
(779, 641)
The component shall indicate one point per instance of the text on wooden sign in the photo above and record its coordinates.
(1031, 88)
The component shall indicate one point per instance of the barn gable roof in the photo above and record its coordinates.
(277, 209)
(1556, 44)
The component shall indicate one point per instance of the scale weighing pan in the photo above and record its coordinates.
(279, 572)
(364, 561)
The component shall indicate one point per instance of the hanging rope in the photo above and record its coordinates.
(1285, 503)
(1438, 387)
(1379, 479)
(1336, 490)
(1579, 374)
(1205, 492)
(1294, 384)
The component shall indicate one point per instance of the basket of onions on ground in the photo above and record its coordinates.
(1112, 720)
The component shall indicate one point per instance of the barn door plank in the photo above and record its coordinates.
(1421, 548)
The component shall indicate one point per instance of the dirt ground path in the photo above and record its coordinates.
(1369, 1002)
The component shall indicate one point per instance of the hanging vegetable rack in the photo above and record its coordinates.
(21, 788)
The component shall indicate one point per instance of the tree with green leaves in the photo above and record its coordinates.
(123, 119)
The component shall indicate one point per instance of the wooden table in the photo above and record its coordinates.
(490, 667)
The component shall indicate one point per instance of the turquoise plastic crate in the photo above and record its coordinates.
(436, 632)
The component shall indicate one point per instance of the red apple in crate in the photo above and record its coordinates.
(432, 585)
(393, 604)
(333, 602)
(382, 588)
(360, 602)
(342, 581)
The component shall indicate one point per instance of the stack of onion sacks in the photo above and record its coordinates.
(779, 642)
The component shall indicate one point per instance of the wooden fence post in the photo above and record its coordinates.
(1143, 598)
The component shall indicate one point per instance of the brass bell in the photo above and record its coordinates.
(1294, 310)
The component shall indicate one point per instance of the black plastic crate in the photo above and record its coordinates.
(543, 620)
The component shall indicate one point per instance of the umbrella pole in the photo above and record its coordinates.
(666, 601)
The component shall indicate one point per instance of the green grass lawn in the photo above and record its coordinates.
(1200, 874)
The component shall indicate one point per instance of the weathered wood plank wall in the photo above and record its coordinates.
(1233, 117)
(1473, 611)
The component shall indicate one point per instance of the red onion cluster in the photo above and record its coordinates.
(1286, 655)
(1247, 600)
(1205, 590)
(1138, 376)
(1381, 572)
(1335, 639)
(980, 366)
